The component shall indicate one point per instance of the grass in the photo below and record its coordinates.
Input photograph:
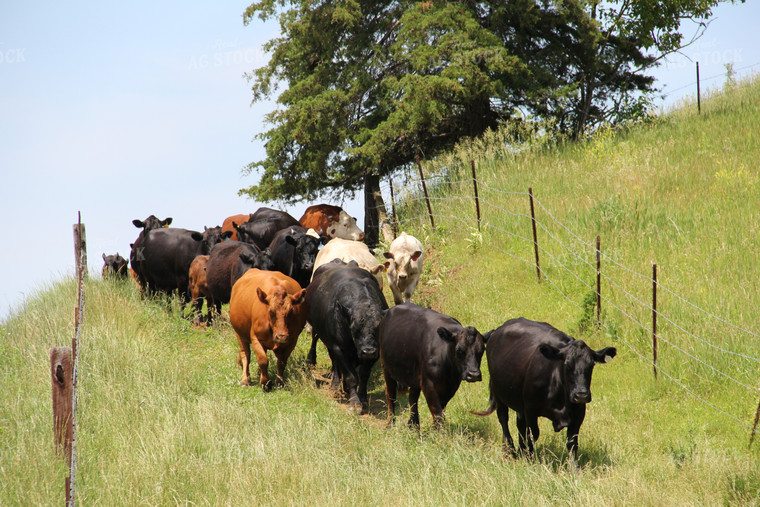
(162, 419)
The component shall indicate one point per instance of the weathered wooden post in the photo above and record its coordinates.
(754, 427)
(475, 184)
(535, 234)
(654, 319)
(699, 95)
(61, 376)
(424, 189)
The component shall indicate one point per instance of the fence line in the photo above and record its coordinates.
(411, 197)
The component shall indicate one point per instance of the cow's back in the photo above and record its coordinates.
(227, 225)
(166, 255)
(319, 217)
(348, 250)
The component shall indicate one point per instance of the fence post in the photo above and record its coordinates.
(535, 235)
(394, 224)
(475, 184)
(754, 427)
(699, 95)
(61, 379)
(598, 282)
(654, 319)
(424, 189)
(80, 248)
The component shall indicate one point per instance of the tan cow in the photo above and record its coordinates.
(404, 266)
(331, 221)
(199, 288)
(347, 251)
(267, 312)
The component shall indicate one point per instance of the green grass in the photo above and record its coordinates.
(162, 419)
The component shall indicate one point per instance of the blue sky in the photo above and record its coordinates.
(125, 110)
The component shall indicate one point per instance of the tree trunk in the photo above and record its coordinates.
(375, 215)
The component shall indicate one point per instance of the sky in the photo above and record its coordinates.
(120, 111)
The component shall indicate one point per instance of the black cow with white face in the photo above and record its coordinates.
(294, 250)
(346, 306)
(430, 353)
(539, 371)
(263, 225)
(227, 263)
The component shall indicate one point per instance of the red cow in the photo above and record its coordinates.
(199, 288)
(331, 221)
(267, 312)
(238, 219)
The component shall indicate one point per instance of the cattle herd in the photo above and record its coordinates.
(278, 274)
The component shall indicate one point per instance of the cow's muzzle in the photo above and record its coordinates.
(579, 397)
(472, 376)
(281, 338)
(369, 353)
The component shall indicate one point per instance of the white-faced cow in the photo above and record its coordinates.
(404, 266)
(539, 371)
(331, 221)
(430, 353)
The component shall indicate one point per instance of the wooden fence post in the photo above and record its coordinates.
(699, 95)
(754, 427)
(80, 248)
(475, 184)
(394, 220)
(598, 282)
(61, 376)
(424, 189)
(535, 235)
(654, 319)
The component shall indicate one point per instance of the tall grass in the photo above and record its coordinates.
(162, 419)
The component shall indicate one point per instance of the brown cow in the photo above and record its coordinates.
(331, 221)
(199, 288)
(267, 312)
(238, 219)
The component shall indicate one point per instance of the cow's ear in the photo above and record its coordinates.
(291, 240)
(605, 355)
(378, 268)
(226, 235)
(549, 352)
(416, 255)
(138, 223)
(197, 236)
(262, 295)
(104, 256)
(323, 240)
(387, 265)
(446, 334)
(388, 255)
(487, 336)
(299, 297)
(167, 222)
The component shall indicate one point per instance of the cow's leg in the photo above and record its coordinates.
(244, 358)
(282, 356)
(397, 296)
(311, 357)
(365, 369)
(391, 390)
(573, 429)
(525, 434)
(350, 386)
(435, 403)
(410, 289)
(263, 362)
(502, 412)
(414, 398)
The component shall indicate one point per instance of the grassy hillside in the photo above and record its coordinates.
(162, 419)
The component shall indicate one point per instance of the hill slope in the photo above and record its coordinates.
(163, 420)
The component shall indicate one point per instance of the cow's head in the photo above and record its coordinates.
(152, 222)
(254, 258)
(402, 264)
(344, 227)
(578, 361)
(210, 237)
(244, 233)
(281, 306)
(305, 246)
(365, 321)
(468, 347)
(114, 265)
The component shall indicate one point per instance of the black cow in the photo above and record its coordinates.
(263, 225)
(430, 353)
(345, 308)
(539, 371)
(228, 262)
(162, 257)
(115, 265)
(294, 251)
(147, 225)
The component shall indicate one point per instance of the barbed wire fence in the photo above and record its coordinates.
(696, 357)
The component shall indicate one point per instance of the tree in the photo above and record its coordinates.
(370, 85)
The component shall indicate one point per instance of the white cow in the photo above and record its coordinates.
(347, 251)
(404, 266)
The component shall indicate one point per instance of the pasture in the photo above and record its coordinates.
(163, 420)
